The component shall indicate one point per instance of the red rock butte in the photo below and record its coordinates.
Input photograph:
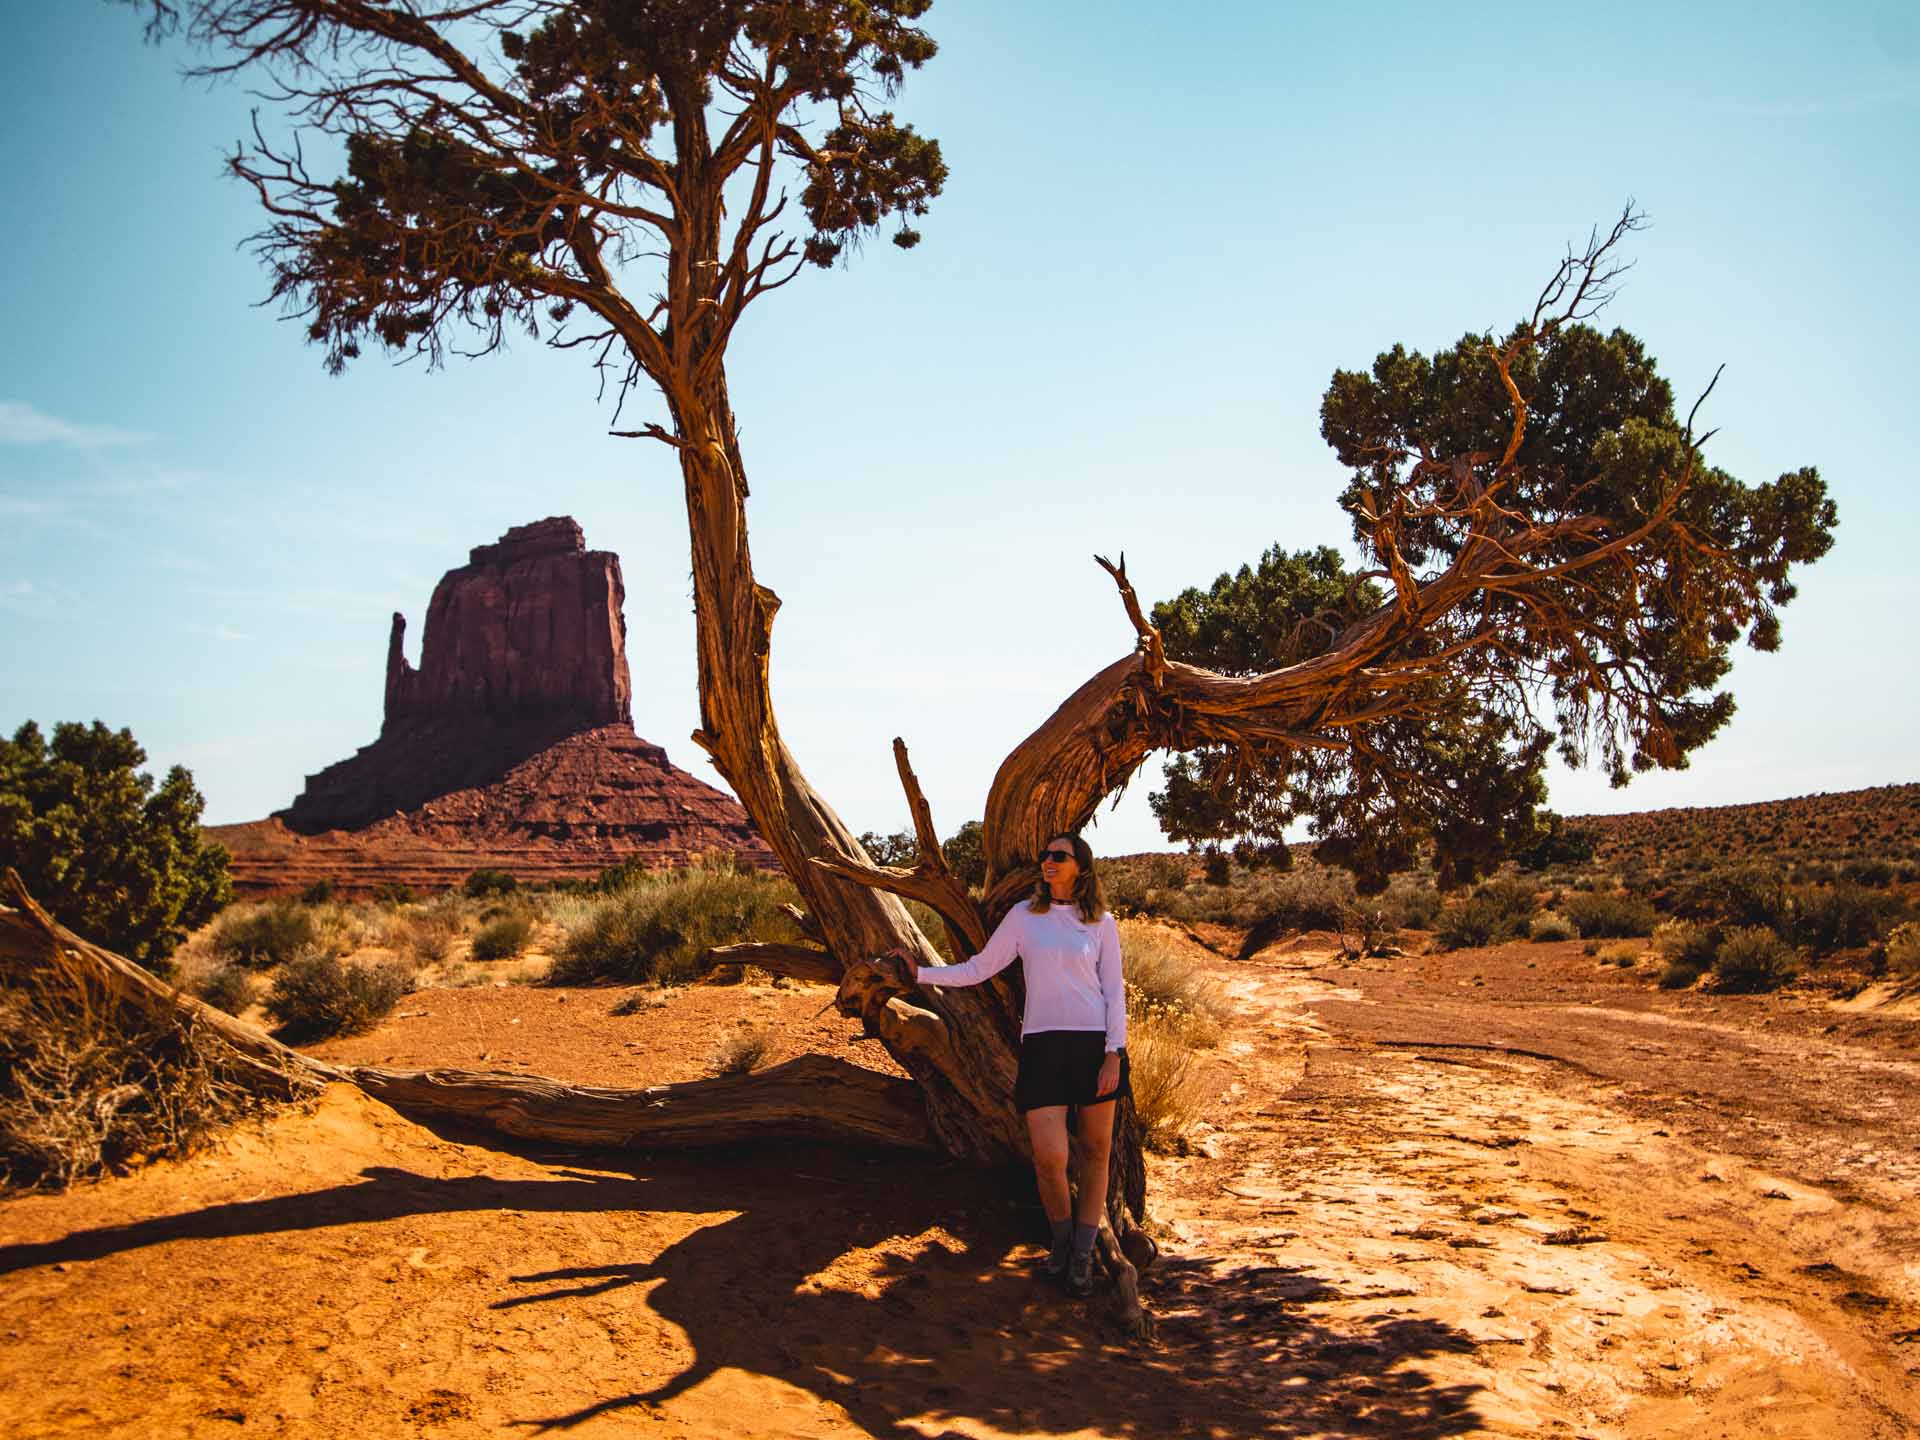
(511, 746)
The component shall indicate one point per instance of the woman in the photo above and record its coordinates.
(1072, 1038)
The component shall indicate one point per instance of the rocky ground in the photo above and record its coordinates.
(1506, 1192)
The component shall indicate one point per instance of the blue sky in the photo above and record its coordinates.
(1158, 242)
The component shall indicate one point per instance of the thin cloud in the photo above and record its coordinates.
(22, 424)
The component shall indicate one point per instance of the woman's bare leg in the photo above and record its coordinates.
(1096, 1148)
(1047, 1129)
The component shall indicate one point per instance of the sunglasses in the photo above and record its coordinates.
(1058, 857)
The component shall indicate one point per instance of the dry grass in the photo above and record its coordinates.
(89, 1083)
(741, 1049)
(1174, 1010)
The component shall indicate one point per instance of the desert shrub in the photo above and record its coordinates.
(110, 855)
(1874, 874)
(264, 935)
(391, 893)
(740, 1049)
(1622, 954)
(1752, 958)
(483, 883)
(1276, 903)
(660, 927)
(1695, 945)
(1215, 867)
(1168, 872)
(1499, 910)
(1739, 896)
(1678, 973)
(1167, 1083)
(1125, 887)
(88, 1082)
(1418, 904)
(1610, 917)
(318, 893)
(1903, 950)
(1165, 986)
(228, 988)
(315, 995)
(1473, 921)
(425, 936)
(1844, 917)
(502, 938)
(1548, 926)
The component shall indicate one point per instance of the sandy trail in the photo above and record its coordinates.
(1373, 1239)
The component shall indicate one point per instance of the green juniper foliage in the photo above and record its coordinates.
(114, 857)
(1575, 583)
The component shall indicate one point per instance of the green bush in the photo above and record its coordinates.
(391, 893)
(1418, 904)
(1739, 896)
(660, 927)
(1499, 910)
(228, 988)
(265, 935)
(482, 883)
(1277, 903)
(1548, 926)
(1678, 974)
(318, 893)
(110, 855)
(1610, 917)
(1845, 917)
(503, 938)
(314, 995)
(1752, 958)
(1215, 867)
(1692, 945)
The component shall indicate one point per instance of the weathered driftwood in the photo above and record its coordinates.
(797, 962)
(811, 1098)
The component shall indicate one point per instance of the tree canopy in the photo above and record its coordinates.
(1548, 562)
(111, 855)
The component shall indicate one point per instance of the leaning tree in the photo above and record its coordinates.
(1543, 548)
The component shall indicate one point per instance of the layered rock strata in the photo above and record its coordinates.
(510, 747)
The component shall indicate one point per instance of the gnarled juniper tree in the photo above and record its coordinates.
(628, 176)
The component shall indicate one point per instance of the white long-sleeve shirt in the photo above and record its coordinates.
(1072, 970)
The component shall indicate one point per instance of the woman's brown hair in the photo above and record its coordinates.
(1086, 885)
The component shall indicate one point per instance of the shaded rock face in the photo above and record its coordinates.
(511, 746)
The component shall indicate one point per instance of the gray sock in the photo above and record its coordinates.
(1083, 1240)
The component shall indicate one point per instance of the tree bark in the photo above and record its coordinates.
(960, 1045)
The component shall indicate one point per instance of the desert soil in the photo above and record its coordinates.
(1505, 1192)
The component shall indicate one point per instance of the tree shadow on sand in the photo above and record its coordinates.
(937, 1317)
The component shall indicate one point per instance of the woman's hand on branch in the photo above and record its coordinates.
(898, 966)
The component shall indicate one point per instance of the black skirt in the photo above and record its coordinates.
(1062, 1067)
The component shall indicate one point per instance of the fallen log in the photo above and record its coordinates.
(811, 1098)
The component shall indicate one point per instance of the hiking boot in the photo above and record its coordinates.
(1079, 1281)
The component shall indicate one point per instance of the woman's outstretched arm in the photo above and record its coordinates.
(1000, 951)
